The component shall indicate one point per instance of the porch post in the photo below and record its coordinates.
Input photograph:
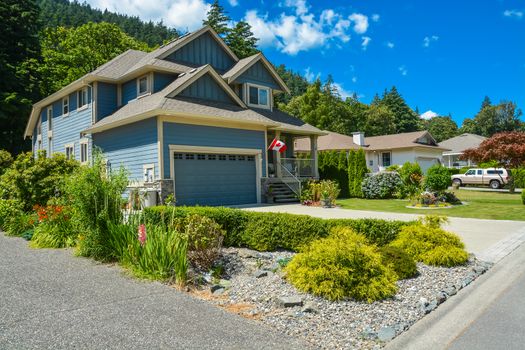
(277, 157)
(313, 154)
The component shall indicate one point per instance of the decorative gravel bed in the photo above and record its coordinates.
(254, 287)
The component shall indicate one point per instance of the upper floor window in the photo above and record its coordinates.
(65, 106)
(258, 96)
(39, 127)
(142, 85)
(49, 118)
(82, 97)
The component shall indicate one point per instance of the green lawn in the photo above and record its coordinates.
(481, 205)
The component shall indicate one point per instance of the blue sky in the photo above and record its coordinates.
(443, 56)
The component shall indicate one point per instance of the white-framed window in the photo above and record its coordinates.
(142, 85)
(50, 118)
(82, 98)
(39, 128)
(65, 106)
(258, 96)
(70, 151)
(84, 144)
(149, 172)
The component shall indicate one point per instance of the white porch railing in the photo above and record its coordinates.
(290, 180)
(298, 167)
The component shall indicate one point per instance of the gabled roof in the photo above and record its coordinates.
(244, 64)
(336, 141)
(462, 142)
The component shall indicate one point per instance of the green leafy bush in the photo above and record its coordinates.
(437, 178)
(33, 181)
(9, 208)
(523, 196)
(270, 231)
(341, 266)
(402, 263)
(382, 185)
(6, 159)
(333, 165)
(431, 245)
(96, 200)
(519, 177)
(205, 239)
(20, 223)
(357, 170)
(411, 175)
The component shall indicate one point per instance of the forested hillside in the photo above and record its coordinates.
(56, 13)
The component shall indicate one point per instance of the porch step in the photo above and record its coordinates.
(282, 193)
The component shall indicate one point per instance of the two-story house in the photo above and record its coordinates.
(189, 117)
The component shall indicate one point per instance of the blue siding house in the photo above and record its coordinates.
(189, 118)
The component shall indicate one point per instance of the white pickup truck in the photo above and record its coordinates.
(493, 177)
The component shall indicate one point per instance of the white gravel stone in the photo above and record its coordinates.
(346, 324)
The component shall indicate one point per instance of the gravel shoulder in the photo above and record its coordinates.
(52, 300)
(255, 288)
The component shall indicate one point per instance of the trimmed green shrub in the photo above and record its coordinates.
(382, 185)
(431, 245)
(519, 177)
(411, 175)
(333, 165)
(437, 178)
(96, 200)
(271, 231)
(341, 266)
(357, 170)
(402, 263)
(523, 196)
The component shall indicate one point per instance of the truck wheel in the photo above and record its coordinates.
(457, 182)
(494, 184)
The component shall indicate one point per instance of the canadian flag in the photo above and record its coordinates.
(277, 145)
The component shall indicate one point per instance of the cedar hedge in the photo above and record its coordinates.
(271, 231)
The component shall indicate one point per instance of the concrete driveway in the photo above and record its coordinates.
(52, 300)
(490, 240)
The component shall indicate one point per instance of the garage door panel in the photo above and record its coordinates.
(209, 179)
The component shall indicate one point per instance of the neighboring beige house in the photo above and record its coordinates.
(382, 151)
(457, 145)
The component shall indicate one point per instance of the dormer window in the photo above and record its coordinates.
(142, 86)
(65, 106)
(258, 96)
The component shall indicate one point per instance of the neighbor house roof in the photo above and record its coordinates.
(335, 141)
(458, 144)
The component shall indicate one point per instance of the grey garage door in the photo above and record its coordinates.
(214, 179)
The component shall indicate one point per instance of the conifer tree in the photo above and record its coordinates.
(351, 172)
(406, 119)
(241, 40)
(217, 19)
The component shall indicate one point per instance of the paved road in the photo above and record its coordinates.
(489, 314)
(479, 235)
(52, 300)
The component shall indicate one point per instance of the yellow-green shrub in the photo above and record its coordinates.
(402, 263)
(431, 245)
(340, 266)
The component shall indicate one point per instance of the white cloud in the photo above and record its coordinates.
(342, 92)
(513, 13)
(301, 30)
(365, 42)
(390, 45)
(375, 17)
(354, 79)
(311, 76)
(360, 22)
(428, 115)
(233, 3)
(403, 70)
(181, 14)
(429, 39)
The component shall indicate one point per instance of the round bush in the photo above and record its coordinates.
(342, 266)
(431, 245)
(402, 263)
(438, 178)
(523, 196)
(382, 185)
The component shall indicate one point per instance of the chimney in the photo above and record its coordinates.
(359, 138)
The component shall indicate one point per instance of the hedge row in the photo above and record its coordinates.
(271, 231)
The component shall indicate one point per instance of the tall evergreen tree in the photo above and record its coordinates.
(217, 19)
(379, 120)
(19, 50)
(406, 119)
(442, 128)
(295, 82)
(241, 40)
